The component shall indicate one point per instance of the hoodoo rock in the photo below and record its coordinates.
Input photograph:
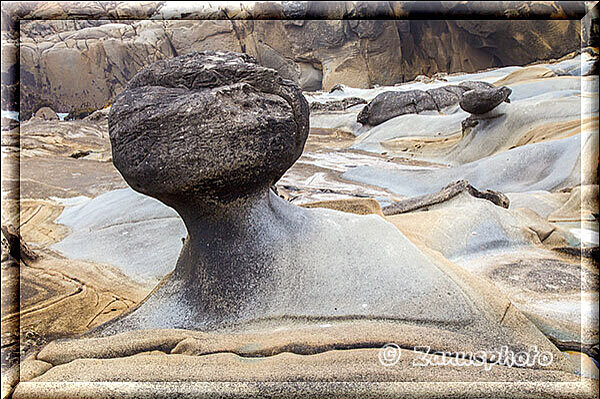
(213, 125)
(209, 134)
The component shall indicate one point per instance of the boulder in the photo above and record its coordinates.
(216, 96)
(478, 102)
(46, 114)
(390, 104)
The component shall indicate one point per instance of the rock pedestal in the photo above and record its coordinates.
(208, 134)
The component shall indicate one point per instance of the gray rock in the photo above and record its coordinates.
(311, 78)
(336, 105)
(294, 10)
(390, 104)
(445, 96)
(475, 85)
(246, 125)
(479, 101)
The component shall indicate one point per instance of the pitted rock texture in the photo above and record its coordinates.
(208, 124)
(478, 102)
(336, 105)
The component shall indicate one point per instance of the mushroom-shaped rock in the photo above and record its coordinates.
(208, 134)
(482, 101)
(215, 126)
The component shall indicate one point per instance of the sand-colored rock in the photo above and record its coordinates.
(359, 365)
(527, 73)
(32, 368)
(359, 206)
(581, 205)
(211, 359)
(125, 344)
(60, 297)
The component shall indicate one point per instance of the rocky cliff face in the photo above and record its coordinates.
(80, 65)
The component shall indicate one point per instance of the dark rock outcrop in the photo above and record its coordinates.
(246, 124)
(390, 104)
(478, 102)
